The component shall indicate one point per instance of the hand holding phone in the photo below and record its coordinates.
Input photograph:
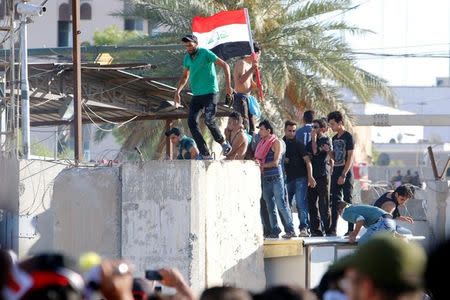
(153, 275)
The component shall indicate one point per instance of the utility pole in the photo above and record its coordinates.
(24, 85)
(76, 63)
(26, 10)
(13, 84)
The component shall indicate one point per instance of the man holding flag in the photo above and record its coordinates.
(199, 67)
(244, 70)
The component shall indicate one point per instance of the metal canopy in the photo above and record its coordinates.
(109, 93)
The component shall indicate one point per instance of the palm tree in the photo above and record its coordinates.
(305, 60)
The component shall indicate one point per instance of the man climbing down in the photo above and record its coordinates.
(199, 69)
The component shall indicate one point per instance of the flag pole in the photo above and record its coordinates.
(257, 74)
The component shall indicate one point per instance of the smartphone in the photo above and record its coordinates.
(153, 275)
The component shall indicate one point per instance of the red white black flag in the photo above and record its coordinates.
(227, 33)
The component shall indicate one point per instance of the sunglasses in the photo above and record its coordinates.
(316, 127)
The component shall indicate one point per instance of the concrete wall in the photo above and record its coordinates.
(9, 184)
(87, 207)
(232, 216)
(36, 213)
(201, 217)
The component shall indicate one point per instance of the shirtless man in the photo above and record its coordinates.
(234, 134)
(243, 85)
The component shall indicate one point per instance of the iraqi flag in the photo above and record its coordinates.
(227, 33)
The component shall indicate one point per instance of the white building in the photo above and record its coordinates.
(416, 100)
(54, 27)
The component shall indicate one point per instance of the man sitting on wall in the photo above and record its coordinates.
(187, 149)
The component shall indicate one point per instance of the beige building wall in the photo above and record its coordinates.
(363, 144)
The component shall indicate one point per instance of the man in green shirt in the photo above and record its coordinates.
(199, 68)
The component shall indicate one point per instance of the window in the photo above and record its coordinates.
(133, 24)
(85, 11)
(64, 12)
(64, 33)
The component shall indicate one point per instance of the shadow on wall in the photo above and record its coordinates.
(43, 232)
(245, 274)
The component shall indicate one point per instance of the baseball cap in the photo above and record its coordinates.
(52, 271)
(173, 130)
(392, 263)
(189, 38)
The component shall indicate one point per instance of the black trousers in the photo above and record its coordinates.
(209, 103)
(319, 206)
(338, 193)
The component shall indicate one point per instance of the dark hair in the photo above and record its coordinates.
(285, 292)
(289, 123)
(266, 125)
(236, 115)
(256, 47)
(225, 293)
(322, 123)
(405, 190)
(173, 130)
(336, 116)
(308, 116)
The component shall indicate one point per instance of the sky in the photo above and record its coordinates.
(401, 27)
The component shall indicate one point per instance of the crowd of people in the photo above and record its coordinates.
(383, 268)
(305, 164)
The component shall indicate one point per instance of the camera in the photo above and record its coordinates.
(30, 9)
(153, 275)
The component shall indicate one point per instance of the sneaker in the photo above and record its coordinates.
(347, 233)
(226, 148)
(317, 233)
(289, 235)
(272, 236)
(303, 233)
(330, 233)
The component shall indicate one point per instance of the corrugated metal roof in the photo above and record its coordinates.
(110, 94)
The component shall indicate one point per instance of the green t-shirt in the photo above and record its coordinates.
(202, 72)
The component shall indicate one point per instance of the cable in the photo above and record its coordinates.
(107, 121)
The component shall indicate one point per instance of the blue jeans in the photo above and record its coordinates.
(273, 194)
(298, 187)
(383, 224)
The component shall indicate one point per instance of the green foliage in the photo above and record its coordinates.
(40, 149)
(113, 36)
(305, 61)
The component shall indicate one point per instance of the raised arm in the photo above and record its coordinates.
(226, 70)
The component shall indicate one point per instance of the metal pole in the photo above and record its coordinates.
(24, 88)
(12, 83)
(76, 59)
(169, 148)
